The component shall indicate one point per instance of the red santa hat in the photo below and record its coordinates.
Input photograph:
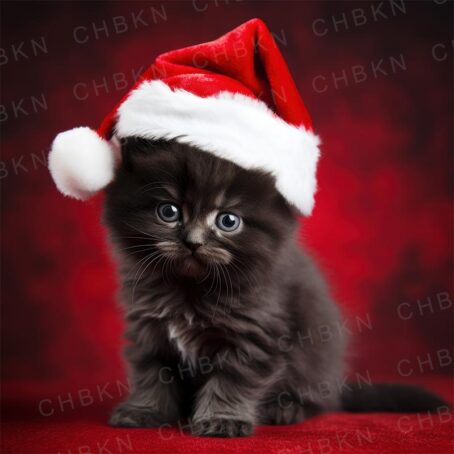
(233, 97)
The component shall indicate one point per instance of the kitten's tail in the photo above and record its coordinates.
(384, 397)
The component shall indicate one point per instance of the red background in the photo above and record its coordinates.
(382, 227)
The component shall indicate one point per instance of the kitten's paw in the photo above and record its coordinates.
(275, 414)
(221, 427)
(290, 415)
(127, 415)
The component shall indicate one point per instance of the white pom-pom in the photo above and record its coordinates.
(81, 162)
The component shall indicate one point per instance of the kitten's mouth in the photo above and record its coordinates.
(192, 267)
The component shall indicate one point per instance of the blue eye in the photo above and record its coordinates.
(168, 212)
(228, 222)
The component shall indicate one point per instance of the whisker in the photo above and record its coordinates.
(147, 234)
(142, 261)
(140, 251)
(238, 269)
(133, 247)
(254, 283)
(219, 294)
(212, 267)
(155, 185)
(232, 296)
(231, 285)
(141, 274)
(166, 188)
(172, 177)
(225, 279)
(157, 263)
(147, 238)
(207, 274)
(164, 270)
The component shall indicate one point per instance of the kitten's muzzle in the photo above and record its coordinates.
(191, 245)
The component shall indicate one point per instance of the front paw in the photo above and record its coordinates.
(127, 415)
(281, 412)
(221, 427)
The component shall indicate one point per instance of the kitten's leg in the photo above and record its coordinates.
(226, 405)
(154, 399)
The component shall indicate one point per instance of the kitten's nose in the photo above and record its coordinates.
(191, 246)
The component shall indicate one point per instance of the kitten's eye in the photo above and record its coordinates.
(168, 212)
(228, 222)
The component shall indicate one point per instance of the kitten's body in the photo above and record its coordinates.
(251, 338)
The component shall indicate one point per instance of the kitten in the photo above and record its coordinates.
(223, 307)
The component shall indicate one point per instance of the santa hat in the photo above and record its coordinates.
(233, 97)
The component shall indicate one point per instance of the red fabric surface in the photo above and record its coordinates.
(79, 426)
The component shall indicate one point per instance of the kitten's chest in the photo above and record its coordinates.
(194, 340)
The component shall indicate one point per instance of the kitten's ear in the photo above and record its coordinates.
(135, 149)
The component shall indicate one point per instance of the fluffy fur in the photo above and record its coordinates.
(228, 330)
(81, 162)
(231, 126)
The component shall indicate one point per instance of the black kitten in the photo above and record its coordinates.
(223, 307)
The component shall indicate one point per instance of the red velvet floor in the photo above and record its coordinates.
(77, 425)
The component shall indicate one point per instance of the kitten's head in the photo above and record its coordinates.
(186, 213)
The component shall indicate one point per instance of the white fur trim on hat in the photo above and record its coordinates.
(231, 126)
(81, 162)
